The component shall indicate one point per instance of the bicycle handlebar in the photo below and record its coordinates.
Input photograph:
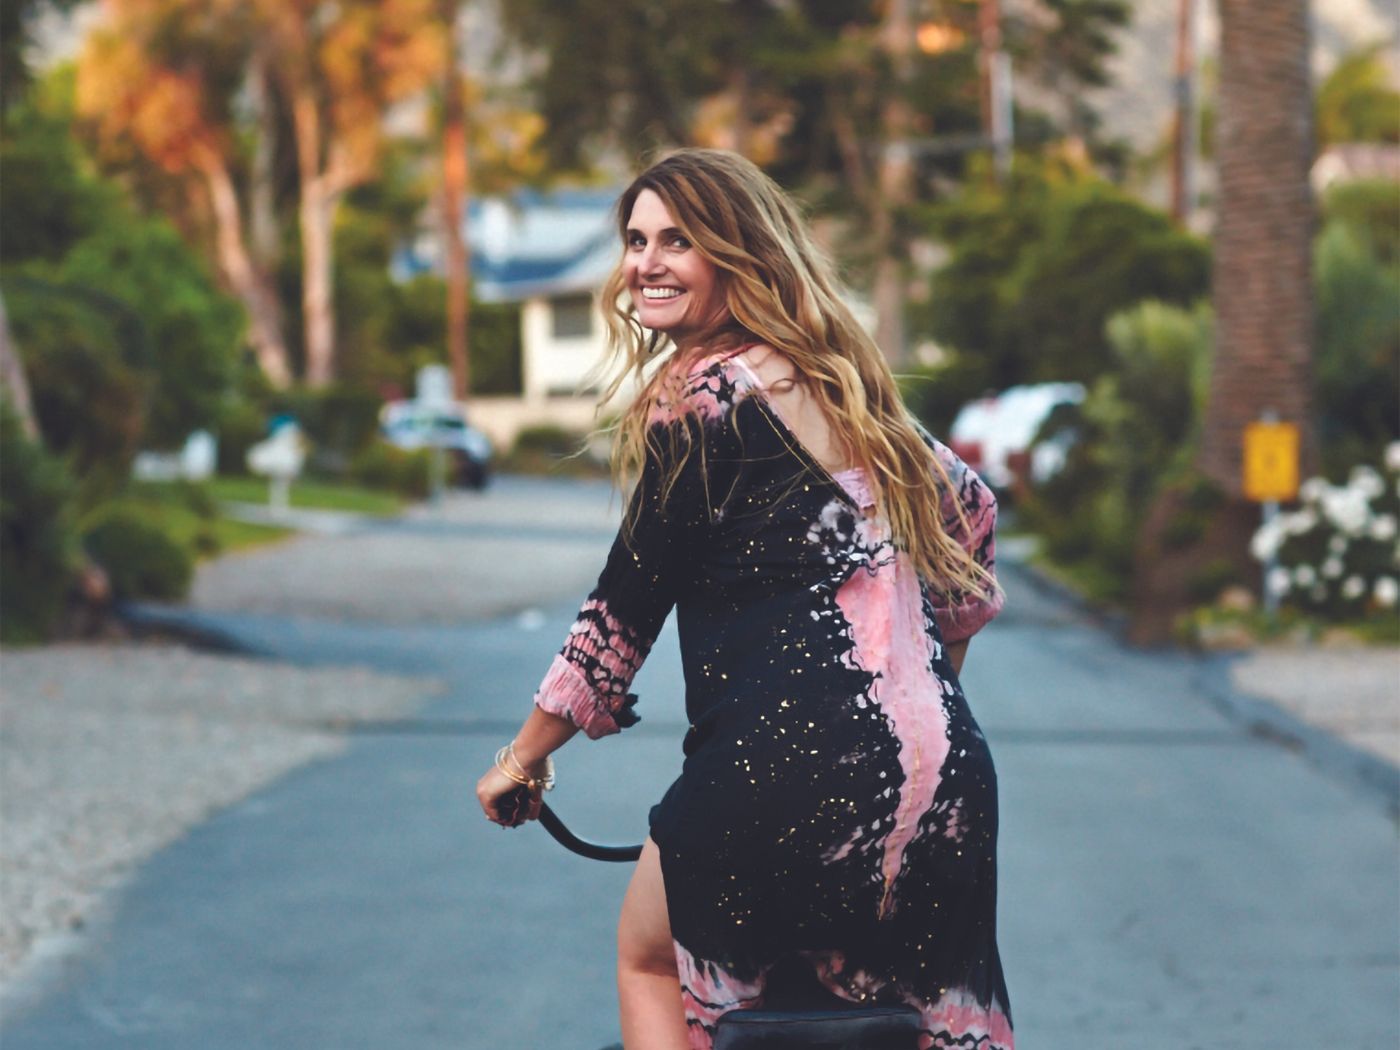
(591, 850)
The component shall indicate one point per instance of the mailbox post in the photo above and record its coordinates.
(434, 394)
(1270, 477)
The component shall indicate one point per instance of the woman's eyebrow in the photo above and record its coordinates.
(668, 231)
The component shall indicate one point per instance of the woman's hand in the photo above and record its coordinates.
(505, 802)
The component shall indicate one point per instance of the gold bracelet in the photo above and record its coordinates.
(533, 784)
(546, 782)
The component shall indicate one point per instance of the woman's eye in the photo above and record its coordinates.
(680, 243)
(636, 240)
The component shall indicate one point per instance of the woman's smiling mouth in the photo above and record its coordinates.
(661, 293)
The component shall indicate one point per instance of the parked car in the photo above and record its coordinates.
(993, 435)
(413, 425)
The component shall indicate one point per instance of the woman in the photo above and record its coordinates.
(828, 561)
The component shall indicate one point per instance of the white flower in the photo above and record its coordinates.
(1383, 527)
(1353, 587)
(1348, 509)
(1337, 543)
(1333, 568)
(1278, 580)
(1313, 489)
(1267, 539)
(1367, 480)
(1297, 523)
(1304, 576)
(1392, 457)
(1387, 591)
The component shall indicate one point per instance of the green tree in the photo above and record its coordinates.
(1037, 267)
(1358, 102)
(38, 538)
(1358, 348)
(158, 91)
(123, 292)
(833, 98)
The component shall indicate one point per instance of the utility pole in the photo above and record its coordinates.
(895, 181)
(456, 174)
(1184, 130)
(995, 66)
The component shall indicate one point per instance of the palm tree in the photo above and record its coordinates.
(1263, 236)
(1263, 301)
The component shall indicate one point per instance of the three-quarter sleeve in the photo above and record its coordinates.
(646, 571)
(963, 614)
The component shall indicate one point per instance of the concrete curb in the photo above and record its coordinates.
(1368, 773)
(1016, 551)
(150, 620)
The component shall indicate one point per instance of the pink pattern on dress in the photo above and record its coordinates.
(693, 386)
(708, 993)
(961, 618)
(587, 682)
(883, 604)
(957, 1017)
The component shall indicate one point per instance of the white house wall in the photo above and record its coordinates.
(553, 367)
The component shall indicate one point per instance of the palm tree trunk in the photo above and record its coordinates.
(1264, 228)
(455, 175)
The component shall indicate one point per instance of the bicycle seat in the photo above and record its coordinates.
(799, 1013)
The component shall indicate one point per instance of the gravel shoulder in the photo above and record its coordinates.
(110, 751)
(1351, 692)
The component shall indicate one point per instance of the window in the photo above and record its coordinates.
(573, 317)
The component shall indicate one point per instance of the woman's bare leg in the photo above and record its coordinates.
(648, 989)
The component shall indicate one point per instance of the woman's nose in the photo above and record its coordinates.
(650, 264)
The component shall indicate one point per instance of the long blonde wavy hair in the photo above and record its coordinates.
(780, 289)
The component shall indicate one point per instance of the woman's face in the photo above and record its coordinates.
(674, 288)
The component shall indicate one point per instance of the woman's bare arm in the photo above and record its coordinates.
(957, 652)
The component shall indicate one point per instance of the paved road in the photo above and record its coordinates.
(1167, 881)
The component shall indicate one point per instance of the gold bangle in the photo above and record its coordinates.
(535, 785)
(546, 782)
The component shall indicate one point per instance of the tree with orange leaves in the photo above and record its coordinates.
(339, 67)
(160, 76)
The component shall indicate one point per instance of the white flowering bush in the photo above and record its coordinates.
(1338, 553)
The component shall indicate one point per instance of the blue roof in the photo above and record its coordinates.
(534, 242)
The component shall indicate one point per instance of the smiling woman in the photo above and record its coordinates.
(827, 561)
(674, 288)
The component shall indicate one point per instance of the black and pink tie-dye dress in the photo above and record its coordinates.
(837, 799)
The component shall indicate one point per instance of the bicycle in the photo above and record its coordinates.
(798, 1013)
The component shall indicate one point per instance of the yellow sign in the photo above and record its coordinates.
(1270, 462)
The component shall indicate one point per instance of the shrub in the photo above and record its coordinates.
(1134, 432)
(555, 451)
(38, 541)
(1038, 266)
(550, 439)
(937, 394)
(340, 421)
(1338, 554)
(141, 559)
(408, 472)
(89, 395)
(241, 425)
(1358, 346)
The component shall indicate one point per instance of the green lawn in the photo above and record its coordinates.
(177, 512)
(312, 495)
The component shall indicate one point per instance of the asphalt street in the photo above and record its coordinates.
(1168, 880)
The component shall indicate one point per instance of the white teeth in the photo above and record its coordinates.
(660, 293)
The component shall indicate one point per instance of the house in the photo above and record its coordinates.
(550, 252)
